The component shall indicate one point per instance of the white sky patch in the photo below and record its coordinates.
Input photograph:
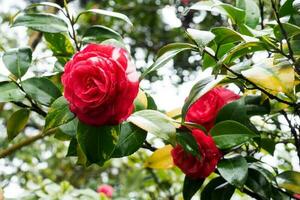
(169, 16)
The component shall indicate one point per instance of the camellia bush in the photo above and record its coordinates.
(247, 105)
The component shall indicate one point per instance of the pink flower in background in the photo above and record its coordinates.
(107, 190)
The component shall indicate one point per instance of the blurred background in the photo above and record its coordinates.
(41, 171)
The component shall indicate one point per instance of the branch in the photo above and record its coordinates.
(10, 150)
(261, 9)
(148, 146)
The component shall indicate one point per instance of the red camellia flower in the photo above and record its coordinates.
(204, 111)
(195, 167)
(101, 84)
(107, 190)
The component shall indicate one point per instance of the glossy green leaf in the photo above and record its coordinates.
(188, 143)
(289, 180)
(234, 170)
(252, 12)
(72, 149)
(226, 35)
(17, 61)
(290, 29)
(217, 189)
(150, 102)
(10, 92)
(66, 131)
(190, 187)
(58, 114)
(235, 111)
(287, 8)
(258, 183)
(256, 105)
(141, 101)
(97, 143)
(237, 15)
(34, 5)
(130, 140)
(202, 38)
(98, 33)
(199, 89)
(43, 22)
(166, 54)
(41, 89)
(60, 45)
(107, 13)
(229, 134)
(274, 77)
(268, 145)
(154, 122)
(17, 122)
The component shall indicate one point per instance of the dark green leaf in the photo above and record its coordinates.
(154, 122)
(17, 122)
(198, 90)
(290, 29)
(167, 53)
(130, 140)
(43, 22)
(235, 111)
(252, 12)
(258, 183)
(287, 8)
(151, 102)
(10, 92)
(72, 149)
(188, 143)
(97, 143)
(17, 61)
(190, 187)
(58, 114)
(268, 145)
(226, 35)
(256, 106)
(229, 134)
(235, 14)
(41, 89)
(289, 180)
(66, 131)
(107, 13)
(217, 189)
(234, 170)
(98, 34)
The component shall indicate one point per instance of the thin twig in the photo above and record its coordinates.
(261, 9)
(72, 22)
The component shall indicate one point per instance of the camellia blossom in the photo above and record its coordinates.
(106, 190)
(196, 167)
(205, 110)
(101, 83)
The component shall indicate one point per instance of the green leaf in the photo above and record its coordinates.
(140, 102)
(202, 38)
(289, 180)
(98, 33)
(207, 6)
(256, 105)
(229, 134)
(274, 77)
(106, 13)
(235, 14)
(17, 61)
(58, 114)
(43, 22)
(235, 111)
(17, 122)
(154, 122)
(72, 149)
(198, 90)
(252, 12)
(41, 89)
(234, 170)
(287, 8)
(10, 92)
(217, 189)
(97, 143)
(167, 53)
(66, 131)
(60, 45)
(258, 183)
(188, 143)
(34, 5)
(268, 145)
(151, 103)
(190, 187)
(130, 140)
(290, 29)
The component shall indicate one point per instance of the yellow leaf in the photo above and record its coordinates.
(161, 158)
(276, 78)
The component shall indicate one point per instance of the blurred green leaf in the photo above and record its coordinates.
(229, 134)
(252, 12)
(43, 22)
(98, 33)
(234, 170)
(17, 61)
(10, 92)
(97, 143)
(217, 188)
(17, 122)
(154, 122)
(226, 35)
(290, 29)
(130, 140)
(289, 180)
(51, 4)
(235, 14)
(190, 187)
(41, 89)
(58, 114)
